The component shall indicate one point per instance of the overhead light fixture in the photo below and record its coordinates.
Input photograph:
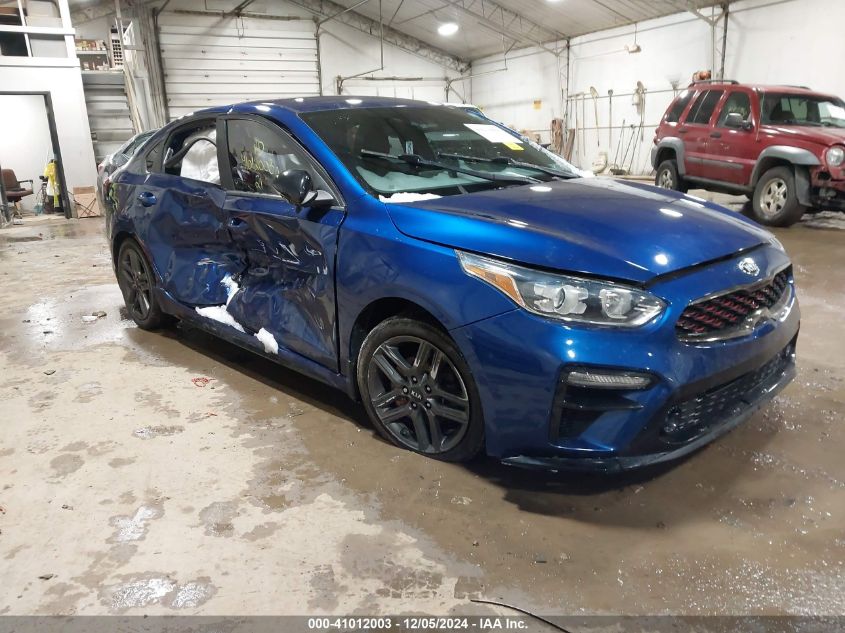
(448, 28)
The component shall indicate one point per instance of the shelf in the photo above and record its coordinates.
(99, 53)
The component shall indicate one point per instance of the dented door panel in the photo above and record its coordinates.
(286, 283)
(191, 243)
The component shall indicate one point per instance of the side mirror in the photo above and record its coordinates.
(296, 186)
(734, 120)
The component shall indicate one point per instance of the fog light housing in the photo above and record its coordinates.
(604, 379)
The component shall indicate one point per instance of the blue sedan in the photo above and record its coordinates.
(461, 281)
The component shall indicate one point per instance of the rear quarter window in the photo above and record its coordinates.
(673, 115)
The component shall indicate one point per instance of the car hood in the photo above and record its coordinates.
(814, 134)
(596, 226)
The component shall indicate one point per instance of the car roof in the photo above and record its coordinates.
(343, 102)
(784, 89)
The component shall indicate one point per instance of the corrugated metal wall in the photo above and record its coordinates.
(211, 60)
(108, 111)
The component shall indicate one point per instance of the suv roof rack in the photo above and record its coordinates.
(714, 81)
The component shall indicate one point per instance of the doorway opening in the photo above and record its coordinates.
(32, 177)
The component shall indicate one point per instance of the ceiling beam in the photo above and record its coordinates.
(328, 8)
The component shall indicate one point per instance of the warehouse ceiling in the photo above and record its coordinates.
(484, 27)
(487, 27)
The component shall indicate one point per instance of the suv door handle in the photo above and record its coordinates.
(715, 135)
(683, 130)
(147, 198)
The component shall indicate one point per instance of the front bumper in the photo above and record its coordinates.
(520, 361)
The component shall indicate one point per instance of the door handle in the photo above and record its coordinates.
(147, 198)
(683, 131)
(715, 135)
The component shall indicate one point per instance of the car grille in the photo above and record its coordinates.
(689, 419)
(725, 315)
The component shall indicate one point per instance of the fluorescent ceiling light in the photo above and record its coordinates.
(448, 28)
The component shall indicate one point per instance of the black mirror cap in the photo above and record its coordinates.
(296, 186)
(735, 120)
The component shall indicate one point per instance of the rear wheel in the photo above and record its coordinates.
(137, 283)
(775, 201)
(667, 176)
(419, 392)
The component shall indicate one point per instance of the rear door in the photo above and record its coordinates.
(734, 150)
(695, 133)
(181, 219)
(286, 286)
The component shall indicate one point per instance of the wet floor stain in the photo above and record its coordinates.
(120, 462)
(134, 528)
(217, 518)
(149, 432)
(151, 588)
(64, 465)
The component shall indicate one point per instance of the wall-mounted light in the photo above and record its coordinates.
(448, 28)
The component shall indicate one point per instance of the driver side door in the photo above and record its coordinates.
(286, 286)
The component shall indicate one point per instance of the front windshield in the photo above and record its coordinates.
(375, 145)
(795, 109)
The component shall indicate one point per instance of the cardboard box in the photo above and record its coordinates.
(86, 205)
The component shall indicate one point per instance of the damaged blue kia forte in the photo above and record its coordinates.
(460, 280)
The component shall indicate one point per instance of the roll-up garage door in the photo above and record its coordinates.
(212, 60)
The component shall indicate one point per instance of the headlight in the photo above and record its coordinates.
(835, 156)
(564, 297)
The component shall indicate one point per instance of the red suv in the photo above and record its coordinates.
(782, 146)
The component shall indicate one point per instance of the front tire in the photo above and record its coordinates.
(775, 201)
(137, 283)
(419, 392)
(667, 176)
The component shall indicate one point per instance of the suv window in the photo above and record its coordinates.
(738, 102)
(258, 154)
(677, 108)
(703, 107)
(192, 153)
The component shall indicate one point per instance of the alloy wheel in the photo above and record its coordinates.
(665, 180)
(773, 198)
(137, 286)
(418, 394)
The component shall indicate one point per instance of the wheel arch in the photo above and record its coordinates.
(378, 311)
(670, 148)
(795, 158)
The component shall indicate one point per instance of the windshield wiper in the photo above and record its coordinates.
(507, 160)
(419, 161)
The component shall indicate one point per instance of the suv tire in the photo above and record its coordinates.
(419, 391)
(775, 201)
(667, 176)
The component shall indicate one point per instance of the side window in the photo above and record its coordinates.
(738, 102)
(677, 108)
(703, 107)
(153, 157)
(258, 154)
(192, 153)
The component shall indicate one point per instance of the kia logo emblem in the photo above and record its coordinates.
(749, 266)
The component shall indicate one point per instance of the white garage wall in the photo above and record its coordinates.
(769, 41)
(25, 143)
(345, 51)
(65, 88)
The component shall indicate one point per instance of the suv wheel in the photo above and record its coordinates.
(419, 391)
(775, 202)
(667, 176)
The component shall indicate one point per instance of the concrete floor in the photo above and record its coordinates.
(172, 473)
